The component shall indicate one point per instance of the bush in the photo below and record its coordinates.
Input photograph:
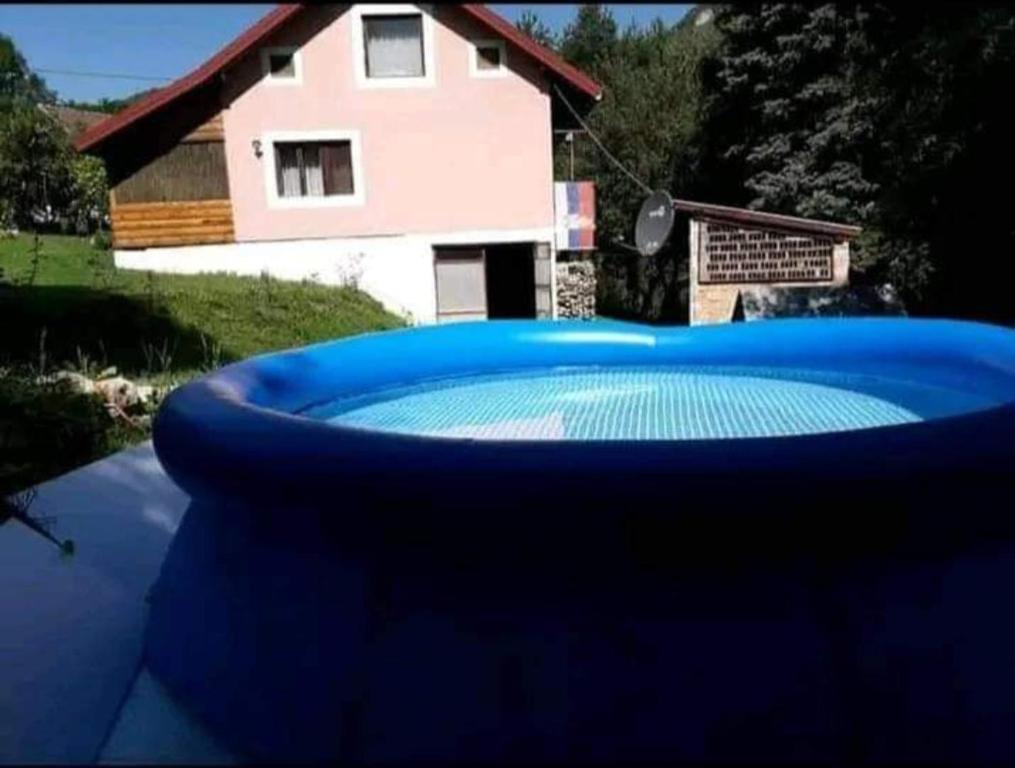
(46, 428)
(101, 241)
(8, 229)
(89, 201)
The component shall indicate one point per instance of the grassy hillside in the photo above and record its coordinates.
(65, 306)
(82, 302)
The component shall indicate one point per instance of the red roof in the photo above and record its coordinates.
(273, 21)
(570, 74)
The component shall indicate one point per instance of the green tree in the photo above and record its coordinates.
(589, 41)
(34, 156)
(649, 119)
(109, 106)
(792, 123)
(888, 118)
(90, 194)
(533, 26)
(942, 225)
(41, 178)
(35, 165)
(18, 84)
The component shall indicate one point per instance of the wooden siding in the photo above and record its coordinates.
(169, 185)
(143, 225)
(188, 171)
(213, 130)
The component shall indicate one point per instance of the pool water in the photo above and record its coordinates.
(629, 403)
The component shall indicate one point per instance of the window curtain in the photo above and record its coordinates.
(336, 161)
(287, 170)
(394, 46)
(312, 169)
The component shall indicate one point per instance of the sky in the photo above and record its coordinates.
(167, 41)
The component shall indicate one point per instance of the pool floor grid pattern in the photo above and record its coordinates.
(622, 404)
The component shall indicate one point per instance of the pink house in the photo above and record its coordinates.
(407, 149)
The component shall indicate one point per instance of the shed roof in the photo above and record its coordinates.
(274, 20)
(745, 216)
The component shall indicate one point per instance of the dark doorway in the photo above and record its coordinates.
(510, 281)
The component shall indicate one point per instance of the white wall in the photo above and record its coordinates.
(396, 270)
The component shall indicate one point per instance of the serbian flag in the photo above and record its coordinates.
(575, 208)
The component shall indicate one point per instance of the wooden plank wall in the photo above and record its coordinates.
(213, 130)
(180, 196)
(192, 222)
(188, 171)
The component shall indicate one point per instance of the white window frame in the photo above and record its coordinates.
(428, 80)
(358, 196)
(266, 53)
(474, 70)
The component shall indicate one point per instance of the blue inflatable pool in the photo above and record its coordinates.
(565, 540)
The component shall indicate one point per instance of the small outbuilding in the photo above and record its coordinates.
(736, 250)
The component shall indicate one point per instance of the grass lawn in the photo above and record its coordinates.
(83, 302)
(71, 308)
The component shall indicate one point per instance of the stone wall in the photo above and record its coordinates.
(576, 289)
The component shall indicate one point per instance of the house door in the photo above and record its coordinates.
(461, 284)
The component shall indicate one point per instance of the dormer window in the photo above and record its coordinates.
(281, 66)
(487, 58)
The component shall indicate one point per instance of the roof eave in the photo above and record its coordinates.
(763, 219)
(571, 74)
(198, 77)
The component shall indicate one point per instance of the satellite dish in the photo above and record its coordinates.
(655, 223)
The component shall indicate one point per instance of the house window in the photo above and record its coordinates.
(487, 58)
(281, 66)
(394, 45)
(313, 168)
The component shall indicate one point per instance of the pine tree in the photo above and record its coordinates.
(796, 125)
(532, 25)
(590, 40)
(892, 118)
